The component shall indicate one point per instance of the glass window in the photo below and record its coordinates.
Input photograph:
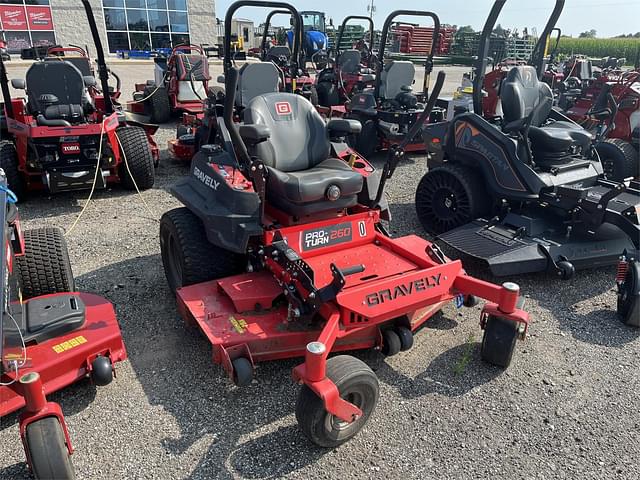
(137, 20)
(157, 4)
(43, 38)
(179, 22)
(12, 2)
(35, 2)
(117, 41)
(160, 40)
(178, 39)
(140, 41)
(114, 19)
(16, 41)
(113, 3)
(177, 4)
(135, 4)
(158, 21)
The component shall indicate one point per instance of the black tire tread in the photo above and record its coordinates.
(48, 451)
(158, 104)
(45, 267)
(628, 166)
(203, 261)
(9, 163)
(135, 146)
(498, 341)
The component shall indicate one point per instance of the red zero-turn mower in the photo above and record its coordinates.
(299, 213)
(294, 75)
(50, 337)
(181, 84)
(389, 110)
(67, 127)
(527, 193)
(351, 71)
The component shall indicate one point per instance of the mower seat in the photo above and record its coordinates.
(396, 74)
(520, 95)
(349, 61)
(256, 79)
(81, 63)
(277, 52)
(303, 179)
(56, 92)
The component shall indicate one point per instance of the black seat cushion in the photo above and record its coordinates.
(297, 155)
(559, 137)
(71, 113)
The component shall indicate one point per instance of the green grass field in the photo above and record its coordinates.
(601, 47)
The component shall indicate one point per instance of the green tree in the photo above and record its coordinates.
(588, 34)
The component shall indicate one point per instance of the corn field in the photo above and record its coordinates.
(601, 47)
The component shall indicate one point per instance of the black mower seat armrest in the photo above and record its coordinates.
(89, 81)
(254, 133)
(40, 120)
(344, 126)
(18, 83)
(515, 126)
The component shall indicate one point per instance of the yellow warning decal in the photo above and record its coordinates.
(239, 325)
(15, 356)
(69, 344)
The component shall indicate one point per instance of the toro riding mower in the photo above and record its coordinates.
(67, 135)
(180, 84)
(389, 110)
(294, 75)
(50, 337)
(526, 192)
(280, 253)
(351, 72)
(614, 97)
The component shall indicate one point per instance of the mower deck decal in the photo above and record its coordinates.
(69, 344)
(325, 236)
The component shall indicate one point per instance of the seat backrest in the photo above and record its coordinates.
(349, 61)
(298, 138)
(395, 75)
(190, 66)
(277, 51)
(81, 63)
(60, 78)
(256, 79)
(521, 92)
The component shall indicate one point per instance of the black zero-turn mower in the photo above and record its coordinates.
(280, 253)
(390, 109)
(527, 192)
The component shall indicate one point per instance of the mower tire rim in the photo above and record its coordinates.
(333, 423)
(442, 202)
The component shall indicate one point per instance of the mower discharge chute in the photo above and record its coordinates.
(50, 337)
(67, 135)
(389, 110)
(280, 253)
(525, 192)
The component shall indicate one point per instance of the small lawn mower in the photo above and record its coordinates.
(181, 84)
(526, 193)
(391, 108)
(50, 337)
(299, 212)
(68, 127)
(616, 93)
(351, 71)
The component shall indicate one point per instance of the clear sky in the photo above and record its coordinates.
(607, 17)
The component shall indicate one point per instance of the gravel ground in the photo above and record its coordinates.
(566, 408)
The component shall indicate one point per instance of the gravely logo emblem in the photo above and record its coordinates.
(206, 179)
(403, 290)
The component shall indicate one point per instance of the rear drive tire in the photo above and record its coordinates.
(357, 384)
(619, 159)
(187, 255)
(45, 267)
(158, 104)
(450, 196)
(9, 163)
(499, 341)
(135, 147)
(48, 450)
(628, 295)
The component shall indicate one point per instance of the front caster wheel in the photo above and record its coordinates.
(499, 341)
(242, 372)
(628, 293)
(357, 384)
(406, 338)
(101, 371)
(391, 343)
(566, 270)
(48, 451)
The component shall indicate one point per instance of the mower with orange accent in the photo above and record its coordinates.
(525, 191)
(389, 110)
(50, 337)
(68, 134)
(180, 84)
(280, 252)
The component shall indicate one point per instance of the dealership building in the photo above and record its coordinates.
(123, 24)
